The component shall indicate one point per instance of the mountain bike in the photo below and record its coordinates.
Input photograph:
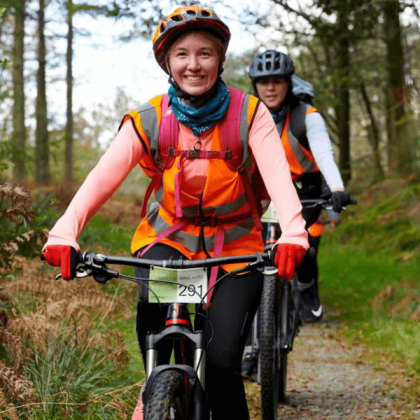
(175, 390)
(275, 327)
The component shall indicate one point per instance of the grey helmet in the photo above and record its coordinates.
(271, 63)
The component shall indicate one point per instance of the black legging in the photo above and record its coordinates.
(313, 186)
(226, 325)
(308, 270)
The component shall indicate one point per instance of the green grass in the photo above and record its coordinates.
(350, 279)
(116, 239)
(370, 282)
(76, 380)
(349, 283)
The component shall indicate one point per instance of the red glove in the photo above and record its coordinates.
(63, 256)
(287, 258)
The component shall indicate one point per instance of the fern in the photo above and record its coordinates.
(22, 224)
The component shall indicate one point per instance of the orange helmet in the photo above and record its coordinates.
(182, 20)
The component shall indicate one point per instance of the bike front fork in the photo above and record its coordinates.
(193, 370)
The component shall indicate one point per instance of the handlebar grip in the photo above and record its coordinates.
(353, 201)
(41, 257)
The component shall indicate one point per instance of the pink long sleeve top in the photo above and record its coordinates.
(126, 150)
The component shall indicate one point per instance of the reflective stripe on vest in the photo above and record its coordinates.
(148, 134)
(160, 225)
(300, 159)
(224, 198)
(221, 210)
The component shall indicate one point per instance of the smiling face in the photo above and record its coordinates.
(194, 60)
(272, 90)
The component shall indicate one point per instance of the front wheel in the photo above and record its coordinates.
(269, 355)
(168, 398)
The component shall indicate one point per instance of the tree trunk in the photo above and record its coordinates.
(343, 116)
(378, 172)
(69, 81)
(400, 153)
(19, 130)
(42, 164)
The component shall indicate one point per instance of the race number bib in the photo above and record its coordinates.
(172, 285)
(270, 215)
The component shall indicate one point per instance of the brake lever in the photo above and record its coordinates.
(255, 264)
(81, 272)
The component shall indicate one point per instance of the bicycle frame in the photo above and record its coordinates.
(178, 327)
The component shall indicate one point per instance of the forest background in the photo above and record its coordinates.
(363, 60)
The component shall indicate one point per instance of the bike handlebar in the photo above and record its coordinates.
(101, 259)
(94, 264)
(324, 202)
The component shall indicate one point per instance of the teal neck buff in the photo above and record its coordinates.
(202, 118)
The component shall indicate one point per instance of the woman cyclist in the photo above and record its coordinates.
(205, 206)
(310, 158)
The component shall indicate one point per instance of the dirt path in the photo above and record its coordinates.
(327, 380)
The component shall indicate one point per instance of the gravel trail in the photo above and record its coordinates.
(326, 380)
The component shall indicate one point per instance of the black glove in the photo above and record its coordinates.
(340, 199)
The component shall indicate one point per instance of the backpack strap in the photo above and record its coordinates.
(234, 136)
(161, 142)
(298, 122)
(298, 125)
(168, 135)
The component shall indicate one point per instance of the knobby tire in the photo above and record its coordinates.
(168, 398)
(269, 358)
(285, 330)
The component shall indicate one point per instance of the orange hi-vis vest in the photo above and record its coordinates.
(300, 159)
(221, 221)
